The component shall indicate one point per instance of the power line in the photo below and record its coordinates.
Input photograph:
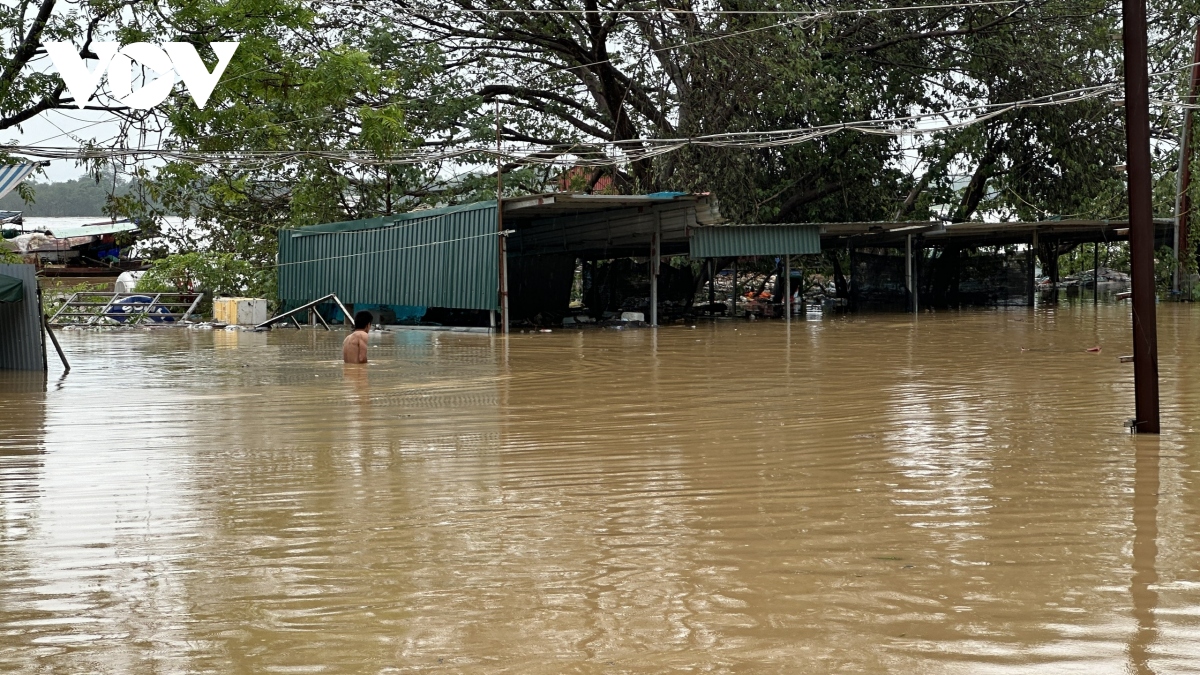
(716, 12)
(601, 153)
(439, 242)
(803, 16)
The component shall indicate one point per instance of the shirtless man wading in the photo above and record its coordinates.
(354, 348)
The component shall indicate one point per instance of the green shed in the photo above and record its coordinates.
(446, 257)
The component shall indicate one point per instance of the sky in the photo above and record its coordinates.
(48, 129)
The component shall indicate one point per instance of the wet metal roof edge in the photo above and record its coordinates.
(384, 221)
(69, 231)
(545, 205)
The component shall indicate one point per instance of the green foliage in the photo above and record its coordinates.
(297, 82)
(1114, 256)
(215, 274)
(9, 256)
(380, 79)
(54, 300)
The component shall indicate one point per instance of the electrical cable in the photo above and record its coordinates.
(715, 12)
(440, 242)
(584, 153)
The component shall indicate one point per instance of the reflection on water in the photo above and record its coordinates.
(1145, 552)
(873, 494)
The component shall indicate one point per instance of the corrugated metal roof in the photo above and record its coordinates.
(559, 204)
(67, 231)
(383, 221)
(21, 345)
(444, 257)
(748, 240)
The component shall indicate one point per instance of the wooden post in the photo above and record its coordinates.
(1095, 274)
(57, 347)
(1141, 217)
(41, 309)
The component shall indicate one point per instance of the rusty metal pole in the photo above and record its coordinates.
(1141, 217)
(503, 244)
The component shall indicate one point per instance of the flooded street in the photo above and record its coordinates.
(949, 494)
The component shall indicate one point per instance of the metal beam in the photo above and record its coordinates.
(306, 306)
(1141, 217)
(908, 272)
(655, 261)
(787, 287)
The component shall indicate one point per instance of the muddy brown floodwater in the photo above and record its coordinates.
(954, 494)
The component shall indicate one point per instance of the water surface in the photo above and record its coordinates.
(951, 494)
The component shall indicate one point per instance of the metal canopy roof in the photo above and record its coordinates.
(605, 225)
(572, 203)
(736, 241)
(69, 231)
(982, 234)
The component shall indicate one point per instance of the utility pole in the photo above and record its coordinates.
(500, 226)
(1141, 217)
(1183, 183)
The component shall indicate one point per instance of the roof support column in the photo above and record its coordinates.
(787, 287)
(1033, 253)
(712, 286)
(908, 272)
(655, 261)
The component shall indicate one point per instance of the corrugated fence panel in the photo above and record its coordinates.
(437, 258)
(730, 241)
(21, 324)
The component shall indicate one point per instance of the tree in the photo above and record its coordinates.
(302, 84)
(571, 75)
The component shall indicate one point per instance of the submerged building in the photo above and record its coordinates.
(477, 260)
(477, 264)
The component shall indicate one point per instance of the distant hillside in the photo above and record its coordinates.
(80, 197)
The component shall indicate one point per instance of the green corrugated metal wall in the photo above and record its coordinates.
(437, 258)
(732, 241)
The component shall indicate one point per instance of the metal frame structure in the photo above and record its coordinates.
(81, 310)
(308, 306)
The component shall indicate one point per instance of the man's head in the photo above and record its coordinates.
(362, 320)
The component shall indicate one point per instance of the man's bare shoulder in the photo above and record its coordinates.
(354, 347)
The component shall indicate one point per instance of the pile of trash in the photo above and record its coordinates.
(607, 320)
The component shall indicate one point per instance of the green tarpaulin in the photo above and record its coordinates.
(11, 289)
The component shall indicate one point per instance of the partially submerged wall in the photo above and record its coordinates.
(21, 338)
